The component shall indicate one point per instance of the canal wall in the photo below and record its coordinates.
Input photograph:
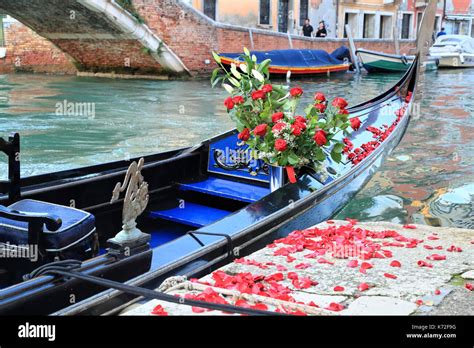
(176, 32)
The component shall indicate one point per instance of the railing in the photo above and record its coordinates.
(11, 148)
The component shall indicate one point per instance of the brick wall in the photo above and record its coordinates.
(27, 51)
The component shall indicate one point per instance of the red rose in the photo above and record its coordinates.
(278, 127)
(296, 129)
(343, 112)
(238, 99)
(277, 116)
(320, 107)
(258, 95)
(244, 135)
(355, 123)
(296, 92)
(267, 88)
(339, 103)
(229, 103)
(320, 138)
(319, 97)
(301, 121)
(280, 145)
(260, 130)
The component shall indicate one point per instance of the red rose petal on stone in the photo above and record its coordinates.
(364, 267)
(422, 263)
(290, 259)
(439, 247)
(411, 227)
(335, 307)
(330, 222)
(260, 306)
(159, 310)
(275, 277)
(292, 275)
(469, 286)
(323, 260)
(351, 221)
(419, 302)
(198, 310)
(429, 247)
(363, 286)
(437, 292)
(433, 238)
(339, 288)
(395, 263)
(353, 263)
(302, 266)
(312, 304)
(436, 257)
(388, 275)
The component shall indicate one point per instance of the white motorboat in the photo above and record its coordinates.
(454, 51)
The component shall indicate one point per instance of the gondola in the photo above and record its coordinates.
(300, 62)
(205, 208)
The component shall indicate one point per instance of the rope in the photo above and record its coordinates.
(190, 286)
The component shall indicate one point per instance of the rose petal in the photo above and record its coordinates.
(469, 286)
(411, 227)
(388, 275)
(422, 263)
(159, 310)
(419, 302)
(437, 292)
(338, 288)
(336, 307)
(395, 263)
(363, 286)
(353, 263)
(302, 266)
(436, 257)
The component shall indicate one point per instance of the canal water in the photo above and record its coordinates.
(67, 122)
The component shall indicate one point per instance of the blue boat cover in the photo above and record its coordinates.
(294, 57)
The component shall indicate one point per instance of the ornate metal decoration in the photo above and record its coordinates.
(134, 203)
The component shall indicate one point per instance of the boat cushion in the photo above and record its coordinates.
(76, 225)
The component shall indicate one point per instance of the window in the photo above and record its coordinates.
(210, 8)
(303, 11)
(351, 19)
(369, 25)
(406, 20)
(385, 27)
(265, 12)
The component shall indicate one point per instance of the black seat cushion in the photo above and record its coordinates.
(77, 225)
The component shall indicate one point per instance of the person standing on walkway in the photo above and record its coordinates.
(307, 28)
(321, 30)
(441, 33)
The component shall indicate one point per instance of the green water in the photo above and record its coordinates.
(428, 179)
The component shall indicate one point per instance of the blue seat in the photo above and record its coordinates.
(77, 225)
(227, 189)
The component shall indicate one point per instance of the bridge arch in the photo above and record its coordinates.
(97, 35)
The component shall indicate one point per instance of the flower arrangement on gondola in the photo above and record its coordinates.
(266, 117)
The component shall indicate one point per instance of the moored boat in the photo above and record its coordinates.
(297, 61)
(374, 61)
(454, 51)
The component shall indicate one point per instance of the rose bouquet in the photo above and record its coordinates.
(267, 120)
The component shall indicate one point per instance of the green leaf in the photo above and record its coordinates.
(320, 156)
(216, 57)
(338, 147)
(336, 156)
(293, 159)
(247, 52)
(214, 74)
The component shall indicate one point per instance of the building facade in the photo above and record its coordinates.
(371, 19)
(459, 17)
(285, 16)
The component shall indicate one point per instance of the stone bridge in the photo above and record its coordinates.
(97, 35)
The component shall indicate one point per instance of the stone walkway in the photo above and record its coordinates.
(344, 268)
